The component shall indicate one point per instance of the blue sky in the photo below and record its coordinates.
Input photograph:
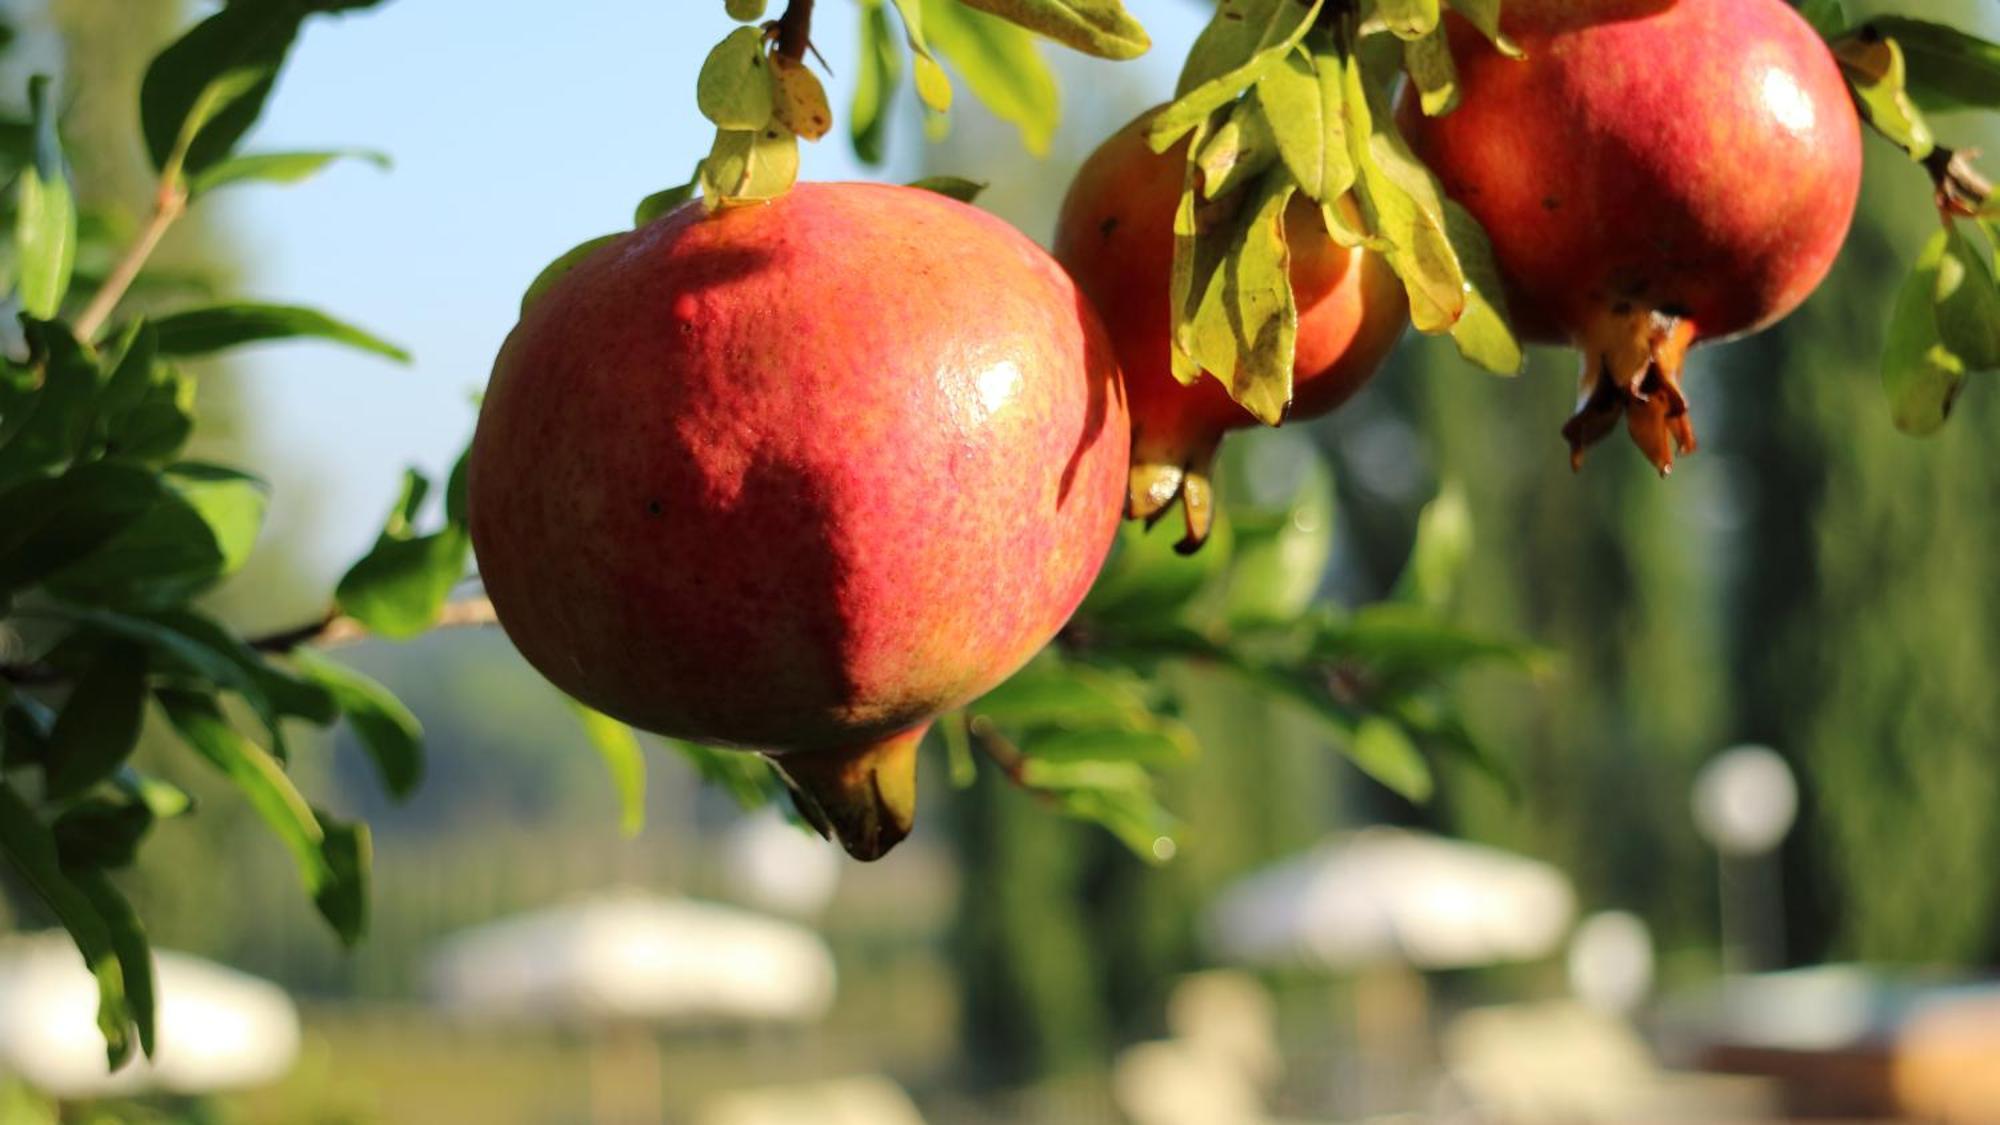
(516, 133)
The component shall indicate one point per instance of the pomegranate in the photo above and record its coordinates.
(1116, 236)
(1654, 175)
(798, 477)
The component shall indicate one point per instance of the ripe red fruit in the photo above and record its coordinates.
(1653, 175)
(1116, 236)
(798, 477)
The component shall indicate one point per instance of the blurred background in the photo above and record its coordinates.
(1640, 927)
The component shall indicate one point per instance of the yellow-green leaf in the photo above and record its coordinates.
(734, 89)
(1002, 65)
(1244, 329)
(933, 87)
(1922, 377)
(1305, 119)
(875, 83)
(1875, 72)
(1403, 205)
(749, 166)
(1429, 64)
(1236, 152)
(1242, 30)
(1095, 27)
(744, 11)
(1485, 15)
(1482, 332)
(1408, 19)
(45, 214)
(799, 100)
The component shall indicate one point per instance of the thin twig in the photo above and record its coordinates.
(331, 630)
(168, 205)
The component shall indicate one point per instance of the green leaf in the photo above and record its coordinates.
(398, 588)
(1402, 203)
(1303, 110)
(1401, 640)
(565, 262)
(953, 187)
(1442, 547)
(963, 770)
(1947, 69)
(201, 531)
(933, 88)
(49, 523)
(1427, 60)
(748, 778)
(1234, 154)
(146, 411)
(1095, 27)
(1148, 748)
(99, 722)
(1384, 752)
(745, 11)
(654, 206)
(349, 851)
(1481, 332)
(49, 425)
(734, 87)
(1146, 581)
(31, 849)
(748, 167)
(1002, 66)
(276, 167)
(1485, 15)
(875, 82)
(1921, 375)
(1243, 37)
(1243, 326)
(1828, 17)
(1280, 567)
(45, 214)
(1051, 692)
(623, 760)
(203, 93)
(387, 731)
(203, 331)
(335, 872)
(1134, 816)
(1408, 19)
(133, 949)
(1875, 72)
(1968, 303)
(102, 830)
(271, 691)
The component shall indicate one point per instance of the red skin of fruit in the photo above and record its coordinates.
(1653, 175)
(800, 476)
(1115, 236)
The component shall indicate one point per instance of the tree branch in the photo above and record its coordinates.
(795, 30)
(168, 205)
(332, 630)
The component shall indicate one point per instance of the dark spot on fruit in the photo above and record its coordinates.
(1109, 224)
(653, 508)
(1622, 308)
(1551, 203)
(1677, 312)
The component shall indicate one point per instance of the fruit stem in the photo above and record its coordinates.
(1632, 360)
(1961, 190)
(864, 796)
(795, 30)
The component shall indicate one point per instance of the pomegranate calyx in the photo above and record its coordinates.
(1170, 467)
(865, 796)
(1632, 360)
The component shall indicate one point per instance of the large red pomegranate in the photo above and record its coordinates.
(1116, 236)
(799, 476)
(1656, 173)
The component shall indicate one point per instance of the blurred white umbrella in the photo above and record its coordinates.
(630, 957)
(1389, 895)
(218, 1029)
(777, 866)
(627, 962)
